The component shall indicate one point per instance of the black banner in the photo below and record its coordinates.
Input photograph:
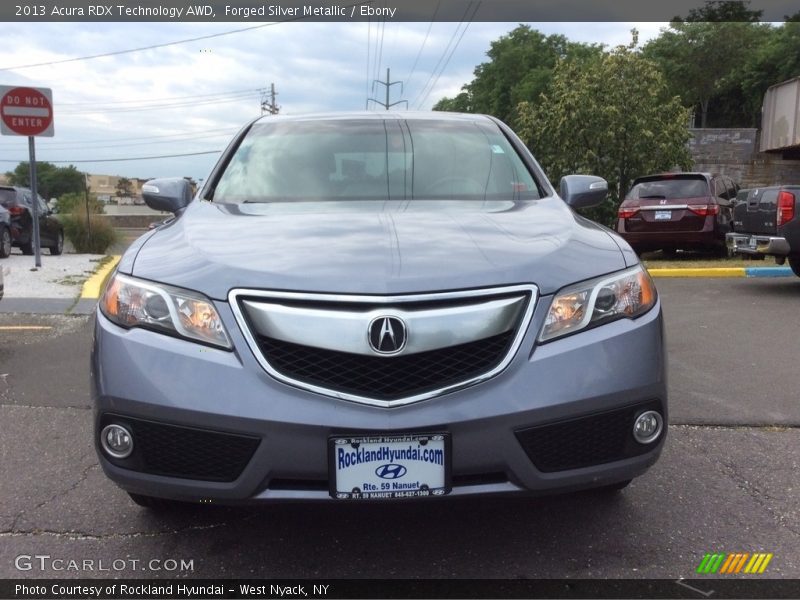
(202, 589)
(367, 10)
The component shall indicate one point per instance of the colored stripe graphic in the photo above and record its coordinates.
(728, 564)
(710, 563)
(758, 563)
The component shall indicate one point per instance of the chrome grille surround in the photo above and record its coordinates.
(259, 311)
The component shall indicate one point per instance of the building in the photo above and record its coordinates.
(105, 187)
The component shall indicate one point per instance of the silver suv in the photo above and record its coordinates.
(376, 306)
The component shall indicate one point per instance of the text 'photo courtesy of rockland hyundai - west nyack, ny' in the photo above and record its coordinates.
(376, 307)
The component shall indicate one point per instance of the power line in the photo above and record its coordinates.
(388, 83)
(165, 44)
(45, 147)
(369, 47)
(436, 80)
(228, 93)
(425, 41)
(270, 106)
(121, 159)
(379, 64)
(47, 144)
(154, 107)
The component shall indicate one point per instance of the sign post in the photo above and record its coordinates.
(28, 111)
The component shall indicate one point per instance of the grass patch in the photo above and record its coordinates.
(698, 260)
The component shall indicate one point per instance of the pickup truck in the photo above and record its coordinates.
(767, 223)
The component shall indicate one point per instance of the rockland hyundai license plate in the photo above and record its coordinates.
(389, 466)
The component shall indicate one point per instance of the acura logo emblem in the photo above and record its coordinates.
(387, 335)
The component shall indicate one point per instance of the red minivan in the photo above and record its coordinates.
(672, 211)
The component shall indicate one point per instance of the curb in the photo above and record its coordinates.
(724, 272)
(94, 285)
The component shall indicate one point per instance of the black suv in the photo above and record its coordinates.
(18, 202)
(5, 233)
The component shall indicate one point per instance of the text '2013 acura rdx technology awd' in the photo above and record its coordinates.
(376, 306)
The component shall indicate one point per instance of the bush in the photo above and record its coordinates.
(76, 203)
(94, 239)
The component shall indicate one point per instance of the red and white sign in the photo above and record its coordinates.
(26, 111)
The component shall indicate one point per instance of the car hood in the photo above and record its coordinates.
(374, 247)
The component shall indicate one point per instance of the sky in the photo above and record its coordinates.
(191, 98)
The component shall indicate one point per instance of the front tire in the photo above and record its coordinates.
(794, 263)
(155, 504)
(614, 487)
(58, 247)
(5, 242)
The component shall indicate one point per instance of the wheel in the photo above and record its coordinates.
(614, 487)
(794, 263)
(58, 248)
(27, 249)
(5, 242)
(155, 504)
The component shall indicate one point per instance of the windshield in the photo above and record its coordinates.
(671, 189)
(374, 159)
(7, 197)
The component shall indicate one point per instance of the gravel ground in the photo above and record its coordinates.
(58, 277)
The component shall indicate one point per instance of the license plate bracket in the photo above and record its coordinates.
(389, 466)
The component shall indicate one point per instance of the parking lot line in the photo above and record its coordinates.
(722, 272)
(93, 286)
(25, 327)
(702, 272)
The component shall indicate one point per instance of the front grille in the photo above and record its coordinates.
(585, 441)
(184, 452)
(385, 377)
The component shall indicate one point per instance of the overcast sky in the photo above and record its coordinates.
(192, 97)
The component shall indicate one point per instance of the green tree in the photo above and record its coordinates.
(611, 117)
(520, 68)
(723, 11)
(774, 61)
(702, 57)
(51, 181)
(123, 188)
(461, 103)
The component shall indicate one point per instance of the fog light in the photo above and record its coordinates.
(647, 427)
(117, 441)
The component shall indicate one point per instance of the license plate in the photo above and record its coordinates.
(663, 215)
(753, 243)
(389, 466)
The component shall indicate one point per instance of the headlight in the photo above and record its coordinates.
(130, 302)
(626, 295)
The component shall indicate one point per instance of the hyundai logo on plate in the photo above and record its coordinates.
(391, 471)
(387, 335)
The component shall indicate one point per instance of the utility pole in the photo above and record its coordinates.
(270, 107)
(388, 84)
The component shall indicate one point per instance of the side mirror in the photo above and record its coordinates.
(583, 191)
(171, 195)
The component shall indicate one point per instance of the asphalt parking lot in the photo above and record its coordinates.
(727, 481)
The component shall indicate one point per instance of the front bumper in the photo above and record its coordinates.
(750, 244)
(151, 378)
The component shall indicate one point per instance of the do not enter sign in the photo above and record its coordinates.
(26, 111)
